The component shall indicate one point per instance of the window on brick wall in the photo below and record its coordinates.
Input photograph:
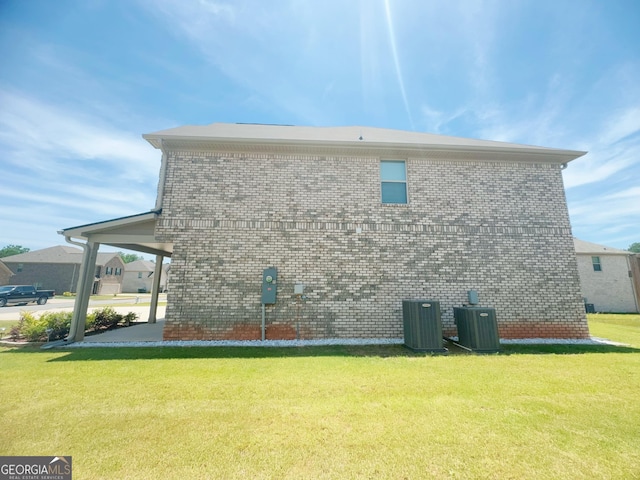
(597, 266)
(118, 271)
(108, 270)
(393, 178)
(139, 274)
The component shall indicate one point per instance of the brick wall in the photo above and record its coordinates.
(499, 228)
(61, 277)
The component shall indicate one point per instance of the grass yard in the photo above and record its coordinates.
(330, 412)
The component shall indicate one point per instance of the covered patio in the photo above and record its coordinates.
(136, 233)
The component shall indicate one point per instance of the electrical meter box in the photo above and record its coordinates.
(269, 285)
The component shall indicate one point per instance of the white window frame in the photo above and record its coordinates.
(597, 263)
(405, 181)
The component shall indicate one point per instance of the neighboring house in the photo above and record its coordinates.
(138, 277)
(57, 268)
(606, 277)
(354, 219)
(5, 274)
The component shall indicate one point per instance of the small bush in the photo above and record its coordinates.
(106, 318)
(31, 328)
(34, 329)
(90, 322)
(14, 333)
(59, 324)
(129, 318)
(67, 294)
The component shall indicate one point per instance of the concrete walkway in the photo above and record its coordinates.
(144, 332)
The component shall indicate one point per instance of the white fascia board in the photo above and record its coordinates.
(83, 231)
(542, 154)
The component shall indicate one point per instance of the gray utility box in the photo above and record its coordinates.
(422, 325)
(269, 285)
(477, 328)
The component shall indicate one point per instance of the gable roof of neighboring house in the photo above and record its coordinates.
(231, 136)
(141, 266)
(57, 254)
(4, 269)
(145, 266)
(587, 247)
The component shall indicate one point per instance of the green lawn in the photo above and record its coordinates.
(331, 412)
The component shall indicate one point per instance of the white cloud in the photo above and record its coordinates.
(41, 132)
(620, 125)
(89, 199)
(595, 168)
(632, 193)
(67, 168)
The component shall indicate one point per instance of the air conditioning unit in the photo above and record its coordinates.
(477, 328)
(422, 325)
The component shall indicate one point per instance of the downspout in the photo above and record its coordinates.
(76, 330)
(155, 289)
(163, 176)
(73, 275)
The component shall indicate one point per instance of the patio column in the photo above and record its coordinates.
(85, 287)
(155, 289)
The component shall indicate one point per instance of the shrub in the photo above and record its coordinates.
(67, 294)
(106, 318)
(31, 328)
(34, 329)
(129, 318)
(58, 322)
(14, 333)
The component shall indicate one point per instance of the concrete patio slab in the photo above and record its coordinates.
(144, 332)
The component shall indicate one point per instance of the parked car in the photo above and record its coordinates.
(23, 294)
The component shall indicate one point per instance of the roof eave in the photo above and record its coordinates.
(535, 153)
(81, 231)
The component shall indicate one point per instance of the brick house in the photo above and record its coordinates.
(607, 277)
(138, 277)
(363, 218)
(356, 219)
(57, 268)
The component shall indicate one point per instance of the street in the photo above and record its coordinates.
(64, 303)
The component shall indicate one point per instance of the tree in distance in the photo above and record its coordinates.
(12, 250)
(130, 257)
